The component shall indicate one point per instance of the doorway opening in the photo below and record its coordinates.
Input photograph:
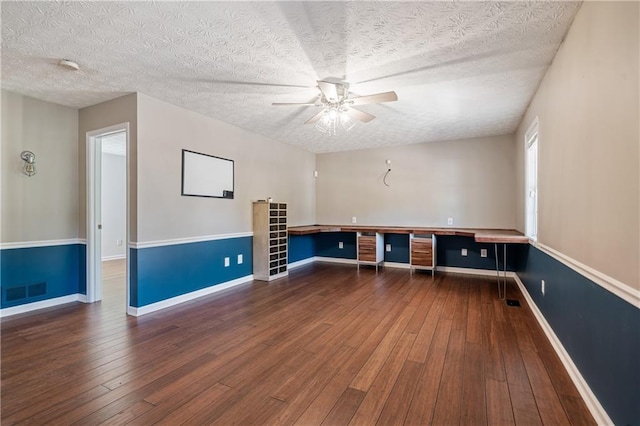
(108, 240)
(531, 181)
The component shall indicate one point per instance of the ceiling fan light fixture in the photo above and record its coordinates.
(338, 107)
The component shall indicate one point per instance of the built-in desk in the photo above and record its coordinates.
(312, 229)
(494, 236)
(504, 236)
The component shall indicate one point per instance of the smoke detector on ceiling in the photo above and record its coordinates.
(66, 63)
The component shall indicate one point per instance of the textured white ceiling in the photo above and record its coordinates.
(460, 69)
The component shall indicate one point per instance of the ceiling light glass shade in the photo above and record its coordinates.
(346, 121)
(324, 124)
(331, 118)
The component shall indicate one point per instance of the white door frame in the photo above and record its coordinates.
(93, 199)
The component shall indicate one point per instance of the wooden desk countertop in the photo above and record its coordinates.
(507, 236)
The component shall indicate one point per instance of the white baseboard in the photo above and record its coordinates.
(343, 261)
(471, 271)
(396, 265)
(597, 411)
(301, 262)
(29, 307)
(143, 310)
(114, 257)
(336, 260)
(468, 271)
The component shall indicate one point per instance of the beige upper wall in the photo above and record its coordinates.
(470, 180)
(116, 111)
(589, 158)
(263, 168)
(44, 206)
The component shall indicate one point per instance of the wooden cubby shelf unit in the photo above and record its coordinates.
(269, 240)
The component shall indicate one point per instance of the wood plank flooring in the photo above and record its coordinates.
(328, 345)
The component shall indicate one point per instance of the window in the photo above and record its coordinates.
(531, 181)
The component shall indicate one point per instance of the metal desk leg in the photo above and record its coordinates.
(502, 282)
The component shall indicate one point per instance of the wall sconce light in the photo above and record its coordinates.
(29, 159)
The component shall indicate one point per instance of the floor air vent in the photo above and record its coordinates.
(15, 293)
(513, 302)
(22, 292)
(38, 289)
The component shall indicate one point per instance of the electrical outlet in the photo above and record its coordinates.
(119, 242)
(542, 287)
(340, 245)
(483, 252)
(353, 219)
(450, 221)
(464, 252)
(388, 247)
(226, 262)
(240, 259)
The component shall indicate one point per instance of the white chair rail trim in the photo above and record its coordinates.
(42, 243)
(188, 240)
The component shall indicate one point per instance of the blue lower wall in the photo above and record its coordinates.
(61, 268)
(159, 273)
(301, 247)
(599, 330)
(399, 248)
(449, 253)
(327, 245)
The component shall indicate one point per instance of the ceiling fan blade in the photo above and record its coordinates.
(245, 83)
(292, 104)
(374, 99)
(315, 118)
(361, 116)
(329, 90)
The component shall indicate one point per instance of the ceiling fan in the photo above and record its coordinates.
(338, 107)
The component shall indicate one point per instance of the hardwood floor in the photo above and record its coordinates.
(327, 345)
(114, 286)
